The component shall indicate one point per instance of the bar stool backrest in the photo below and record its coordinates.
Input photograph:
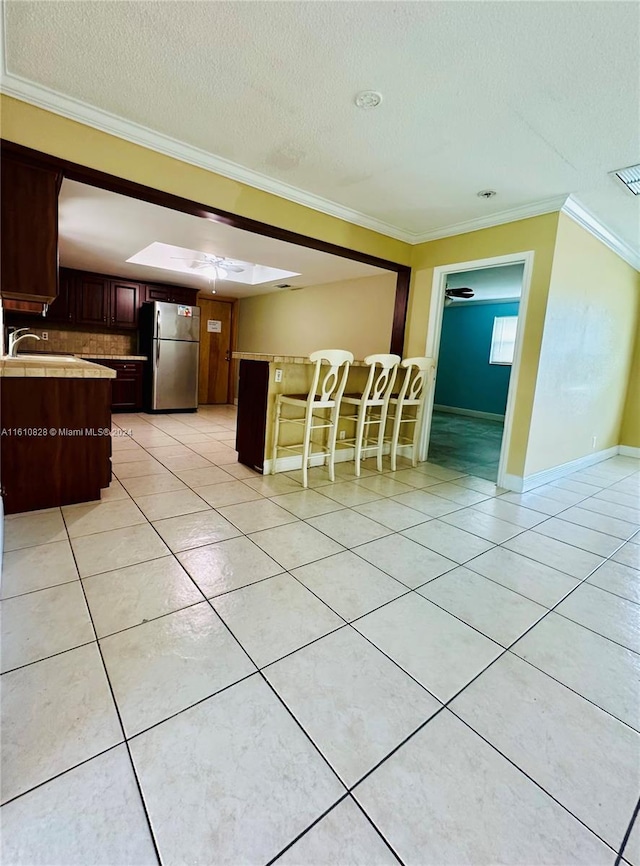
(382, 378)
(333, 384)
(414, 388)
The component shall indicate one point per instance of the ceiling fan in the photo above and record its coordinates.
(464, 293)
(220, 265)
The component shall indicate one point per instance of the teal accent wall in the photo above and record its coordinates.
(465, 379)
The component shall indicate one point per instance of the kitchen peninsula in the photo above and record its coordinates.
(257, 390)
(55, 447)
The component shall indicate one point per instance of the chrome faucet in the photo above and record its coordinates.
(14, 340)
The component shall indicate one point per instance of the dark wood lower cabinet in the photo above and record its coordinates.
(253, 386)
(41, 468)
(126, 388)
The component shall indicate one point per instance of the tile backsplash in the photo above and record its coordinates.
(82, 342)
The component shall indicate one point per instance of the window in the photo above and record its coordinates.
(503, 340)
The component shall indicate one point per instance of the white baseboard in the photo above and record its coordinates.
(521, 484)
(471, 413)
(628, 451)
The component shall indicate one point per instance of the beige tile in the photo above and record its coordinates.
(273, 485)
(147, 484)
(605, 613)
(166, 665)
(189, 461)
(339, 688)
(619, 579)
(440, 651)
(295, 544)
(564, 557)
(449, 541)
(275, 617)
(257, 515)
(41, 705)
(490, 608)
(350, 493)
(483, 525)
(439, 773)
(228, 493)
(550, 733)
(195, 530)
(427, 503)
(139, 468)
(532, 579)
(228, 565)
(202, 477)
(106, 551)
(349, 528)
(348, 584)
(306, 503)
(129, 596)
(157, 506)
(384, 485)
(101, 517)
(405, 560)
(35, 527)
(391, 514)
(62, 821)
(270, 782)
(43, 623)
(31, 568)
(113, 492)
(238, 470)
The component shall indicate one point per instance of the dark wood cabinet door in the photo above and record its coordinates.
(125, 302)
(180, 295)
(62, 309)
(157, 293)
(253, 387)
(126, 388)
(29, 245)
(92, 300)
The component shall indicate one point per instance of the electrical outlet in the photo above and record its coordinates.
(342, 434)
(278, 375)
(44, 335)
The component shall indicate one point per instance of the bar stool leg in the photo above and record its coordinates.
(362, 413)
(395, 436)
(333, 435)
(276, 433)
(416, 433)
(381, 429)
(308, 420)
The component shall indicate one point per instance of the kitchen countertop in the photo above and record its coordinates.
(91, 355)
(53, 366)
(281, 359)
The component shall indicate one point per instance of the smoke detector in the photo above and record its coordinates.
(486, 193)
(368, 99)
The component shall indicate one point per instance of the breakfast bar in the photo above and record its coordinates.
(261, 379)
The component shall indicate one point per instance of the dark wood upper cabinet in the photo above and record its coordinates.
(29, 246)
(125, 303)
(62, 308)
(171, 294)
(92, 300)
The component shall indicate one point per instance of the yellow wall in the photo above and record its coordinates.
(586, 353)
(630, 430)
(351, 314)
(34, 127)
(537, 234)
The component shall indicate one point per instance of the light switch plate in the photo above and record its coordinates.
(278, 375)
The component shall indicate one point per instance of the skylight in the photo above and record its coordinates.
(629, 178)
(207, 265)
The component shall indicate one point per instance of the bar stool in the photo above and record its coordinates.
(328, 398)
(414, 392)
(375, 396)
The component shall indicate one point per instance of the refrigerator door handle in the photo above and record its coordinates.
(158, 324)
(157, 351)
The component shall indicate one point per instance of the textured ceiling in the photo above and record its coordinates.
(100, 230)
(489, 284)
(532, 99)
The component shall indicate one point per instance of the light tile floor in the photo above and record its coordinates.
(213, 667)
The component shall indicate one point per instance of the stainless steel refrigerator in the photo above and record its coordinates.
(170, 337)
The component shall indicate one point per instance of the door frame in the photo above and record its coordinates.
(232, 377)
(434, 333)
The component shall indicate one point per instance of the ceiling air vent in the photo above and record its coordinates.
(629, 178)
(283, 286)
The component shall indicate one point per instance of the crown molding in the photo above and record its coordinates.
(581, 215)
(81, 112)
(538, 208)
(105, 121)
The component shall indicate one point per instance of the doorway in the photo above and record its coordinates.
(217, 322)
(475, 336)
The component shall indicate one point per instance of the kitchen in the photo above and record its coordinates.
(112, 268)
